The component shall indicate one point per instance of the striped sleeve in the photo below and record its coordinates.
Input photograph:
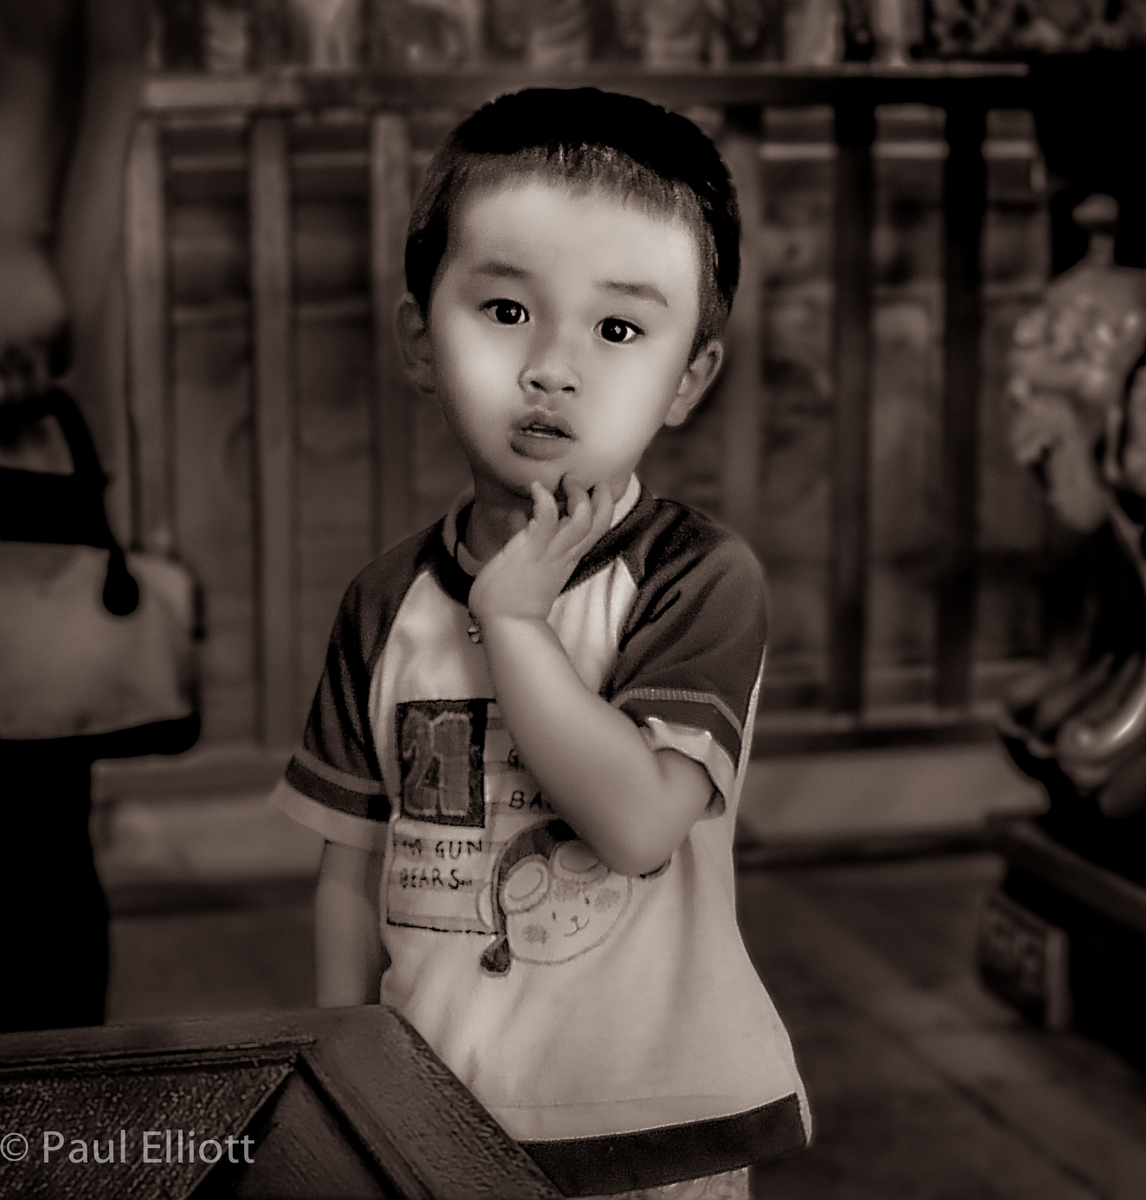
(691, 654)
(334, 783)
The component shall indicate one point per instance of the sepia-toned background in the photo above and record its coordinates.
(905, 186)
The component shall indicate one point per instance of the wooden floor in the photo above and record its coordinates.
(923, 1087)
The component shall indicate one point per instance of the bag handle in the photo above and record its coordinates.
(66, 509)
(55, 402)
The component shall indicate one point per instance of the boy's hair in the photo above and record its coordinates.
(591, 139)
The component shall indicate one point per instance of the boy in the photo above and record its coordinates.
(526, 747)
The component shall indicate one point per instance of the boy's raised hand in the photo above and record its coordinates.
(527, 574)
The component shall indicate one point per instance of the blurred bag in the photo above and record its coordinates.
(92, 641)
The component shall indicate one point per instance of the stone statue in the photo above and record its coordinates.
(1077, 387)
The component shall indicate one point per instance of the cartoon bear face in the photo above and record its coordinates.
(561, 906)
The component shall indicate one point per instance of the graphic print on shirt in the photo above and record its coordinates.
(440, 750)
(441, 850)
(553, 899)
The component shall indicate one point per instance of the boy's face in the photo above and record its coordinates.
(559, 333)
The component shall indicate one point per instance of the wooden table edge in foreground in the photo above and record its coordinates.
(347, 1102)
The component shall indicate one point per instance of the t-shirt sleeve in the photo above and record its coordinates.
(691, 654)
(333, 783)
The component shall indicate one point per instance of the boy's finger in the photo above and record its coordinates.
(575, 494)
(578, 506)
(574, 530)
(589, 530)
(544, 509)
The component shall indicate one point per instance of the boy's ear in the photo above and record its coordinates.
(414, 339)
(695, 381)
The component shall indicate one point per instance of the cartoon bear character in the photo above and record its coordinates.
(553, 899)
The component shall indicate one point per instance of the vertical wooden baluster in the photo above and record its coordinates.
(274, 425)
(145, 254)
(964, 204)
(852, 336)
(393, 404)
(742, 393)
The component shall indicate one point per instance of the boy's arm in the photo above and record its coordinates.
(632, 804)
(349, 956)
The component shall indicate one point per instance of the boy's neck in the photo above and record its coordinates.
(492, 521)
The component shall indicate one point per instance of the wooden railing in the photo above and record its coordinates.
(268, 104)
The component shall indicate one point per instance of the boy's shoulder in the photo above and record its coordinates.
(662, 540)
(374, 595)
(392, 572)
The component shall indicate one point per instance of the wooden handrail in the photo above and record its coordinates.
(322, 1102)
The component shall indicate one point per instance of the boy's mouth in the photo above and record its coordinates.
(546, 425)
(541, 435)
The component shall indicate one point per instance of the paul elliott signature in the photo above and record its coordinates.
(154, 1146)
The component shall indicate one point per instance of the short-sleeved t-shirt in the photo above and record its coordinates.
(614, 1025)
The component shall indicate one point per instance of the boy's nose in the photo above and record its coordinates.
(549, 382)
(549, 374)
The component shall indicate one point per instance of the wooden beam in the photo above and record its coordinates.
(742, 393)
(1002, 85)
(393, 395)
(964, 205)
(145, 255)
(274, 427)
(852, 355)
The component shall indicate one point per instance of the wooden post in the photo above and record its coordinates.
(743, 393)
(855, 132)
(274, 426)
(964, 204)
(393, 401)
(145, 252)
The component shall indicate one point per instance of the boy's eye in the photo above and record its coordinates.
(613, 329)
(506, 312)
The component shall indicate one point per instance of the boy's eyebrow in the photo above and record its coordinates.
(497, 269)
(501, 270)
(639, 291)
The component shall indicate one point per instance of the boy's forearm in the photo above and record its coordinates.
(349, 958)
(633, 805)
